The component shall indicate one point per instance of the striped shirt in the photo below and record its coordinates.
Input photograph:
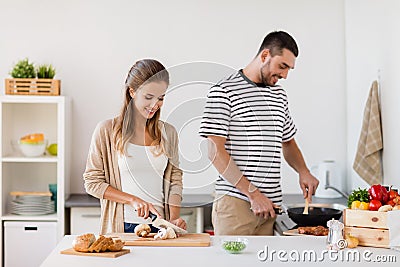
(255, 120)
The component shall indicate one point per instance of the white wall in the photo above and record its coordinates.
(372, 42)
(93, 43)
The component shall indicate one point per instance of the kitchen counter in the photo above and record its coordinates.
(261, 251)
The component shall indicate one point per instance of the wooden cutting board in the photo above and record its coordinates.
(186, 240)
(107, 254)
(292, 232)
(296, 232)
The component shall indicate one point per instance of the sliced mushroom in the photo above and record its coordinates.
(165, 233)
(142, 230)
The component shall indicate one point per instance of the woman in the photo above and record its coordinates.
(133, 161)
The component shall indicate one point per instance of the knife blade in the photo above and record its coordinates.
(158, 222)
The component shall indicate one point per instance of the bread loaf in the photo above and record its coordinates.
(83, 242)
(89, 243)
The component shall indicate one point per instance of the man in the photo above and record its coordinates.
(248, 124)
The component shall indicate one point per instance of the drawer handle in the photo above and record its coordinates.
(30, 228)
(90, 215)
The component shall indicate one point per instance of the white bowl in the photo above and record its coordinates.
(32, 150)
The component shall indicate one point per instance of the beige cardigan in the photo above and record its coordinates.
(102, 171)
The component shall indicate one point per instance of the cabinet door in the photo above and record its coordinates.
(28, 243)
(85, 220)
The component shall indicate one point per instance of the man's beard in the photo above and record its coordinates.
(264, 78)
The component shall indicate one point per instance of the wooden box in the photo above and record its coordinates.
(32, 87)
(370, 227)
(369, 237)
(365, 218)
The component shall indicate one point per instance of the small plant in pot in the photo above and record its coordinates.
(45, 71)
(23, 69)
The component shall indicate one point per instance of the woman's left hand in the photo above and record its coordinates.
(179, 222)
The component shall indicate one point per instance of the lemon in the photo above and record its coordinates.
(52, 149)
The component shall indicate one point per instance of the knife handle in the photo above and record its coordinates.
(278, 210)
(152, 216)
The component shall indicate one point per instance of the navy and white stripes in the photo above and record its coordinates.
(255, 121)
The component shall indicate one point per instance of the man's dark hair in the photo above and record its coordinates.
(277, 41)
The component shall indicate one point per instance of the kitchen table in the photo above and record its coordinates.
(261, 251)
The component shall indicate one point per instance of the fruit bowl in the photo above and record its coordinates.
(32, 149)
(234, 245)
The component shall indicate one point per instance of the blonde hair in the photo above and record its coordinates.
(142, 72)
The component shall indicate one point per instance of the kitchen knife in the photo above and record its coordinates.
(158, 222)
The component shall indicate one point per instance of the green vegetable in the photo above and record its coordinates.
(234, 246)
(360, 195)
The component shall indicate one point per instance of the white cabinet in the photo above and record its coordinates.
(28, 243)
(21, 115)
(85, 220)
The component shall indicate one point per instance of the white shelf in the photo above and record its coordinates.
(28, 159)
(14, 217)
(31, 99)
(21, 115)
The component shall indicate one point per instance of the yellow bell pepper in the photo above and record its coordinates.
(359, 205)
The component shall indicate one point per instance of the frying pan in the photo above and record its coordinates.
(316, 215)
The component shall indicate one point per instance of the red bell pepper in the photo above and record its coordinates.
(378, 192)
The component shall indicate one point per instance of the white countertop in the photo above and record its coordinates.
(286, 247)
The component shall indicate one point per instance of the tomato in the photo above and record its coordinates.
(391, 203)
(374, 204)
(393, 194)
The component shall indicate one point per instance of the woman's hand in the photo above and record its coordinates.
(143, 208)
(179, 222)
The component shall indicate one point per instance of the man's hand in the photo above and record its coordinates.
(308, 184)
(261, 205)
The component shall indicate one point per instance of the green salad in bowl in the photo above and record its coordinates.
(234, 245)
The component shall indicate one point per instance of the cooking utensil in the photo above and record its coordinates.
(158, 222)
(316, 215)
(305, 211)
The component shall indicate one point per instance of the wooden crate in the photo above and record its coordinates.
(33, 87)
(370, 237)
(370, 227)
(365, 218)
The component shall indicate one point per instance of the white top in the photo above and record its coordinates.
(142, 176)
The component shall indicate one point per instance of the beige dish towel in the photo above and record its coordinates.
(368, 163)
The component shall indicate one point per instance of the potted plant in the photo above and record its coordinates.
(26, 80)
(23, 69)
(45, 71)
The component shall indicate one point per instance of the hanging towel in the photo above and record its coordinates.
(368, 160)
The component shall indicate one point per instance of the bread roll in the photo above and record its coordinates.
(83, 242)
